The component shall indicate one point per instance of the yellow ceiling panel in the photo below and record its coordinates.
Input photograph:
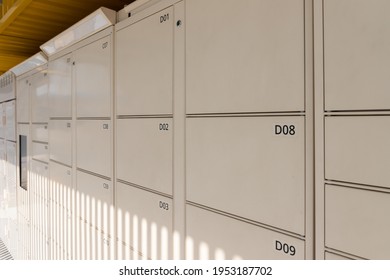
(26, 24)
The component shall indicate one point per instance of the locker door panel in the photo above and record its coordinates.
(94, 62)
(144, 50)
(355, 149)
(2, 157)
(144, 152)
(2, 120)
(40, 151)
(60, 137)
(144, 221)
(10, 132)
(247, 166)
(357, 59)
(39, 97)
(95, 201)
(94, 146)
(11, 166)
(40, 132)
(23, 100)
(356, 221)
(60, 91)
(244, 58)
(213, 236)
(61, 185)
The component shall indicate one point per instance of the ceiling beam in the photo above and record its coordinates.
(12, 13)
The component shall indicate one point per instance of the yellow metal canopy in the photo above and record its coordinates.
(26, 24)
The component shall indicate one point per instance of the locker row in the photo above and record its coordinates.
(208, 146)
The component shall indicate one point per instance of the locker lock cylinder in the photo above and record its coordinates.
(179, 23)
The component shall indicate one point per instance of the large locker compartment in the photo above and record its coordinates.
(10, 116)
(210, 237)
(144, 222)
(144, 152)
(144, 51)
(60, 137)
(247, 57)
(241, 165)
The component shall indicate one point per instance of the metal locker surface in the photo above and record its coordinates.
(245, 58)
(253, 167)
(356, 59)
(60, 90)
(40, 151)
(96, 157)
(23, 100)
(2, 157)
(60, 137)
(212, 236)
(61, 189)
(39, 97)
(356, 221)
(40, 132)
(144, 152)
(144, 65)
(355, 149)
(10, 132)
(95, 201)
(144, 221)
(11, 166)
(94, 61)
(2, 120)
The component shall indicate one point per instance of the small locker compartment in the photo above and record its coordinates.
(60, 90)
(2, 120)
(39, 97)
(144, 49)
(23, 100)
(40, 151)
(95, 201)
(11, 165)
(144, 152)
(3, 158)
(245, 58)
(355, 149)
(253, 167)
(211, 236)
(61, 190)
(144, 221)
(356, 221)
(94, 61)
(94, 146)
(10, 132)
(60, 137)
(40, 132)
(356, 55)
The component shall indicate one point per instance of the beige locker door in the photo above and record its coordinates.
(356, 221)
(2, 158)
(2, 120)
(95, 201)
(40, 132)
(253, 167)
(213, 236)
(10, 116)
(244, 58)
(40, 151)
(357, 58)
(144, 152)
(11, 166)
(60, 90)
(39, 97)
(144, 221)
(23, 100)
(144, 65)
(61, 185)
(60, 137)
(94, 148)
(355, 149)
(93, 79)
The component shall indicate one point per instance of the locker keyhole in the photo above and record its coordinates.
(178, 23)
